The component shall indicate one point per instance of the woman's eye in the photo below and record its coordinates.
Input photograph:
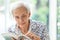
(16, 17)
(24, 16)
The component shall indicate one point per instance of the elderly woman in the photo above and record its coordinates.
(32, 29)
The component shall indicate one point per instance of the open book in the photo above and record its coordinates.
(8, 36)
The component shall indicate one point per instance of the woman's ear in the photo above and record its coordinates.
(29, 14)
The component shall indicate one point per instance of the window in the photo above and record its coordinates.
(2, 17)
(58, 19)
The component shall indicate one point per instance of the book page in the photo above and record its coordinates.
(12, 35)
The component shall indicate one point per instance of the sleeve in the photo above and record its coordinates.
(11, 29)
(45, 34)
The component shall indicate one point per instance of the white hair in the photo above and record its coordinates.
(18, 4)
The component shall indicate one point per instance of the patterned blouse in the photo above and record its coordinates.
(36, 27)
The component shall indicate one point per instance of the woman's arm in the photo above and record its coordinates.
(45, 34)
(33, 36)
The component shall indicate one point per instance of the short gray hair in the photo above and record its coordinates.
(19, 4)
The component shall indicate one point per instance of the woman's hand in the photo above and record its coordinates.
(32, 36)
(13, 38)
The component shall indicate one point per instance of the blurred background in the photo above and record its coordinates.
(58, 19)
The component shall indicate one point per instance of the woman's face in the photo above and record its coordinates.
(21, 15)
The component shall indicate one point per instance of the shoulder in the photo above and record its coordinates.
(12, 28)
(38, 24)
(37, 27)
